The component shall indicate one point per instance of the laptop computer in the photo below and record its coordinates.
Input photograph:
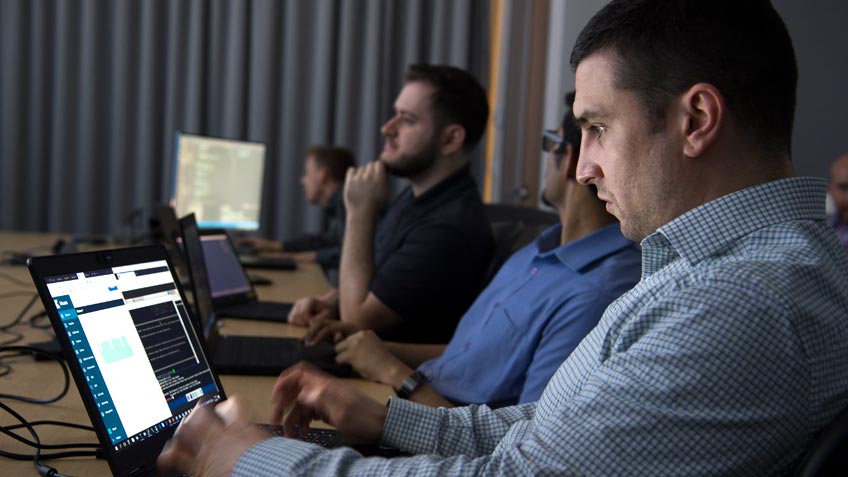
(169, 235)
(229, 287)
(245, 354)
(134, 354)
(169, 231)
(273, 263)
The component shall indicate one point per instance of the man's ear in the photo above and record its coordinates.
(703, 110)
(453, 137)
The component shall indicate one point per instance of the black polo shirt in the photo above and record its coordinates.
(431, 255)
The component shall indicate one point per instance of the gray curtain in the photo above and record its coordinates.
(92, 92)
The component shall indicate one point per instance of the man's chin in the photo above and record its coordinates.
(406, 166)
(389, 161)
(394, 170)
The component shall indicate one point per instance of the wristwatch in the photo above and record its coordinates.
(410, 384)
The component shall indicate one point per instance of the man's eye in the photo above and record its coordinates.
(597, 130)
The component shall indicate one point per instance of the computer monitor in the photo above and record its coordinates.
(219, 180)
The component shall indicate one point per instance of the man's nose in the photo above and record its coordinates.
(388, 128)
(587, 170)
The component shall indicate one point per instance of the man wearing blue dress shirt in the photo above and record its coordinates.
(838, 189)
(727, 358)
(538, 307)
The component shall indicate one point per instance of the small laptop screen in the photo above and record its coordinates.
(226, 275)
(135, 344)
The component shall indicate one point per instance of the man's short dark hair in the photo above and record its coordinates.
(663, 47)
(337, 160)
(459, 99)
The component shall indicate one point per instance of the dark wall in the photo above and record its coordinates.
(820, 32)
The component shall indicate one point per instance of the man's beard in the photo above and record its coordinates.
(412, 165)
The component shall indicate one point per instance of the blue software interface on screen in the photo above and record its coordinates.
(132, 337)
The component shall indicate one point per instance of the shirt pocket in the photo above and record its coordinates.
(499, 349)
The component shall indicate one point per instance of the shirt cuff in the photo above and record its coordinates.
(411, 427)
(274, 456)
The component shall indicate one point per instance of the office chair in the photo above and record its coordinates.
(829, 454)
(514, 226)
(519, 213)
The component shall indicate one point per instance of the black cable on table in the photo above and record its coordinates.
(43, 469)
(15, 335)
(29, 349)
(15, 280)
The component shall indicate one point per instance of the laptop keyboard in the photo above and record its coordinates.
(276, 353)
(260, 310)
(321, 437)
(271, 355)
(276, 263)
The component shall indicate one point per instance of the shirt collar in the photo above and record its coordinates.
(711, 227)
(580, 253)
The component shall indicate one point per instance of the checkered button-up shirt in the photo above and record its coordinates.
(726, 359)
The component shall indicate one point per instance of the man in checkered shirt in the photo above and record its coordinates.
(727, 358)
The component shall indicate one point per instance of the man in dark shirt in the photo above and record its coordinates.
(534, 312)
(323, 176)
(411, 278)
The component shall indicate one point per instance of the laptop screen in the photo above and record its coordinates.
(132, 337)
(226, 275)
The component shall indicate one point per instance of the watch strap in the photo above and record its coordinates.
(410, 384)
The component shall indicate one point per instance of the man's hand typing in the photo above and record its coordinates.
(304, 393)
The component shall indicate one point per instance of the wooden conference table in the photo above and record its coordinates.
(44, 379)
